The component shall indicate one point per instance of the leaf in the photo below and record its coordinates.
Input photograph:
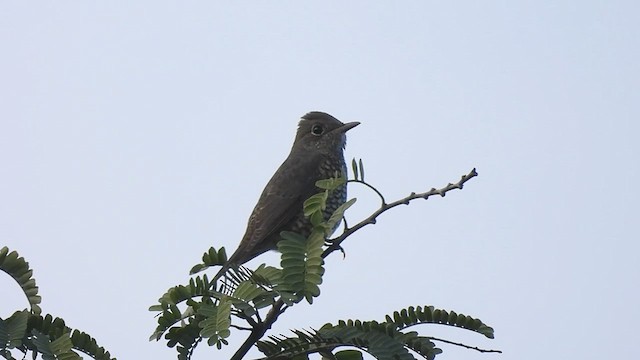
(349, 355)
(59, 348)
(301, 262)
(315, 203)
(354, 167)
(428, 314)
(13, 329)
(331, 183)
(217, 321)
(18, 269)
(54, 328)
(292, 249)
(369, 336)
(337, 215)
(169, 312)
(247, 292)
(313, 269)
(375, 337)
(210, 258)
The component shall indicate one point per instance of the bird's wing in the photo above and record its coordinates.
(281, 200)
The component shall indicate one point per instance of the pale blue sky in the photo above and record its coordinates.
(133, 136)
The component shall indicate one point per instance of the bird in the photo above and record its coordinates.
(317, 153)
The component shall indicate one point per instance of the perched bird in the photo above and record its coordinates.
(316, 154)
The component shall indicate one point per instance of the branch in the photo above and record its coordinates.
(259, 330)
(465, 346)
(335, 243)
(261, 327)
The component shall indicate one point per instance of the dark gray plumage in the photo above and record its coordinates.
(317, 153)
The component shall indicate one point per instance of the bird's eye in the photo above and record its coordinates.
(317, 130)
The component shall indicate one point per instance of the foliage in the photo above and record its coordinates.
(28, 331)
(386, 340)
(16, 267)
(251, 301)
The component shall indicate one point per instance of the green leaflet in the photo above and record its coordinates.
(337, 215)
(358, 169)
(349, 355)
(354, 168)
(315, 203)
(331, 183)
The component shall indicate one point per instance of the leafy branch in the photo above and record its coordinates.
(28, 331)
(247, 292)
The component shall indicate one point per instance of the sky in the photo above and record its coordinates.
(136, 135)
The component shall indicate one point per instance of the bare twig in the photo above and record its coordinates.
(335, 243)
(465, 346)
(260, 329)
(382, 199)
(240, 327)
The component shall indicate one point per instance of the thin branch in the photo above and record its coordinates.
(382, 199)
(335, 243)
(240, 327)
(465, 346)
(246, 318)
(259, 330)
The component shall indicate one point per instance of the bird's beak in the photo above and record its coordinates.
(348, 126)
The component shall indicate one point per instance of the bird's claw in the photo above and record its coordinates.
(331, 243)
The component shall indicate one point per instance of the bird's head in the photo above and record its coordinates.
(322, 132)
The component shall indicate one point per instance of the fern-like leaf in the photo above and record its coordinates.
(314, 206)
(428, 314)
(55, 328)
(302, 269)
(168, 303)
(337, 216)
(210, 258)
(313, 266)
(293, 252)
(18, 269)
(185, 337)
(216, 322)
(331, 183)
(370, 336)
(58, 349)
(380, 341)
